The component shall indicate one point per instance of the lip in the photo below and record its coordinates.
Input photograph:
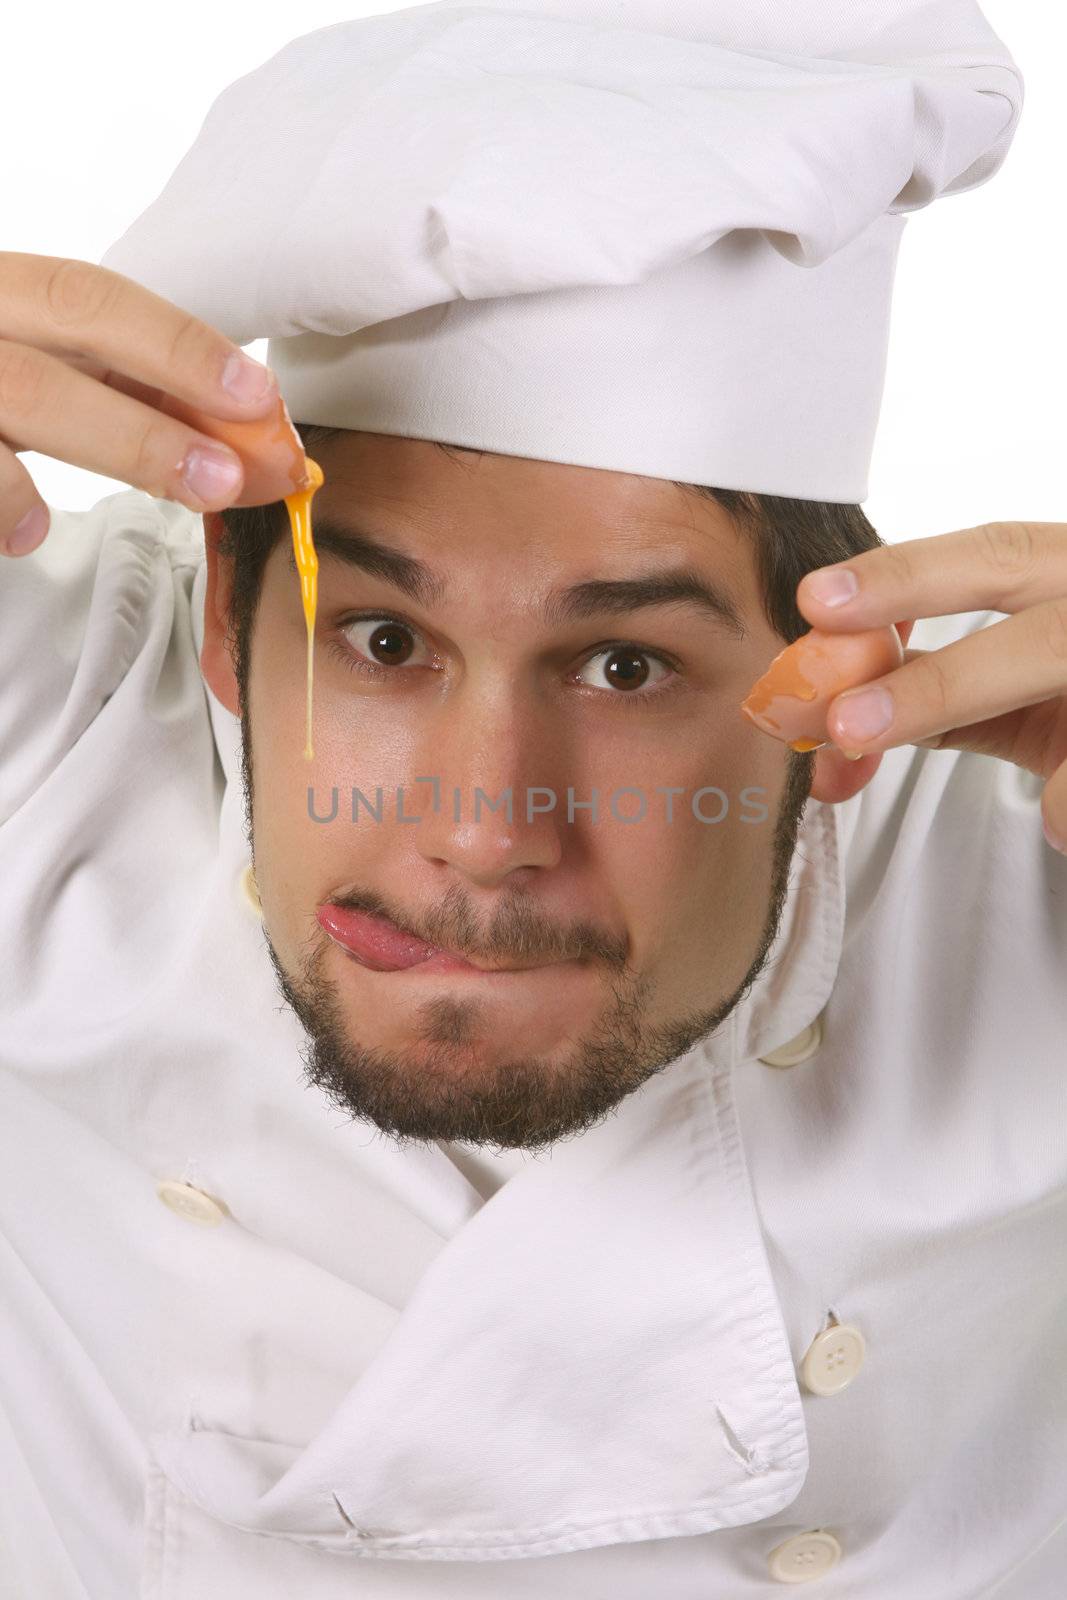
(375, 953)
(446, 961)
(442, 962)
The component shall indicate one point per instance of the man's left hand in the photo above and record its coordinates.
(1001, 691)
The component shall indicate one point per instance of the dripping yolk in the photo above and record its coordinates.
(307, 564)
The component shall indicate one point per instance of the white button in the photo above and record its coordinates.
(834, 1357)
(799, 1049)
(806, 1555)
(246, 883)
(190, 1202)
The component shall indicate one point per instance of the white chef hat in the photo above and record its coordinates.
(654, 238)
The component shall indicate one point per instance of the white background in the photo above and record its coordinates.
(102, 100)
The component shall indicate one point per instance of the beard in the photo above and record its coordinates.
(440, 1089)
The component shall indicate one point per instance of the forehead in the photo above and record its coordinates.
(455, 494)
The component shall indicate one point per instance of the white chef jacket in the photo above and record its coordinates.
(795, 1312)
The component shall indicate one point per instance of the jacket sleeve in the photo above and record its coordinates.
(76, 615)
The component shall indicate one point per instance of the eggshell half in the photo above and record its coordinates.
(269, 448)
(792, 698)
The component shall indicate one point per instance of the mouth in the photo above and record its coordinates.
(378, 944)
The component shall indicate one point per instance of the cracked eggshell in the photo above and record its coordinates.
(269, 448)
(791, 699)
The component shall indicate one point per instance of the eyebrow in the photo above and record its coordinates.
(684, 585)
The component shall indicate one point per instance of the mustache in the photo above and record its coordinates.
(516, 932)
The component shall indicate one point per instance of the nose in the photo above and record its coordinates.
(491, 760)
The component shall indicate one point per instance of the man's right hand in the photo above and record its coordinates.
(89, 361)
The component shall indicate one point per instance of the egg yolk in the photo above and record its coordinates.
(298, 506)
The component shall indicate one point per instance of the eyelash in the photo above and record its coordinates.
(374, 669)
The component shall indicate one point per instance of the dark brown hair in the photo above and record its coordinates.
(788, 537)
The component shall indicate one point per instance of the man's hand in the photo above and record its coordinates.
(90, 363)
(1001, 691)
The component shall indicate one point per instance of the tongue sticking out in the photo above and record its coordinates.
(374, 940)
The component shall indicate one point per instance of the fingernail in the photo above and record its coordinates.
(833, 588)
(1057, 844)
(211, 474)
(28, 532)
(863, 715)
(246, 380)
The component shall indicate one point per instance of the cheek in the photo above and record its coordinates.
(305, 840)
(287, 839)
(696, 861)
(731, 772)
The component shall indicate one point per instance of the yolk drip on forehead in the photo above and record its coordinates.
(307, 564)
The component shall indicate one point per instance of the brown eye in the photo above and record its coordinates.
(381, 641)
(389, 643)
(626, 669)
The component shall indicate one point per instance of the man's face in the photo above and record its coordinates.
(628, 940)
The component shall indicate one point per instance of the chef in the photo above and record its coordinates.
(415, 1200)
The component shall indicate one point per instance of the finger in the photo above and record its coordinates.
(24, 517)
(270, 448)
(119, 381)
(66, 306)
(996, 566)
(1010, 664)
(47, 406)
